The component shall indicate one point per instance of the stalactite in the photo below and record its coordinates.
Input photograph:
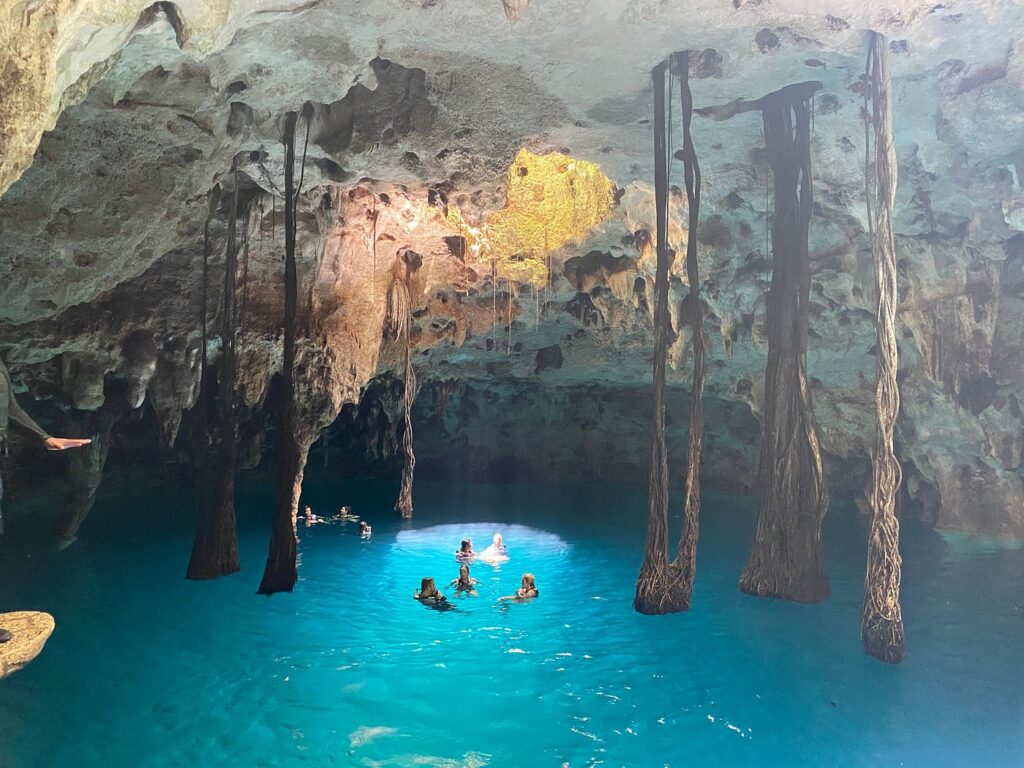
(881, 617)
(536, 308)
(547, 265)
(215, 546)
(686, 557)
(281, 572)
(443, 391)
(509, 285)
(655, 587)
(786, 558)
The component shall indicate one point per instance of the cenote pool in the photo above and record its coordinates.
(147, 669)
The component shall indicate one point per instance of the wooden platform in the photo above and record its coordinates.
(30, 630)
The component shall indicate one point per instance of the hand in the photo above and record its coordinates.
(64, 443)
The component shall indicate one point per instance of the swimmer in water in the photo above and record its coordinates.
(498, 545)
(465, 582)
(310, 517)
(427, 593)
(496, 551)
(365, 530)
(465, 551)
(526, 591)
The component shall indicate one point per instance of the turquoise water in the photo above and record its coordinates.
(147, 669)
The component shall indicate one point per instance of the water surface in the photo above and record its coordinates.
(148, 669)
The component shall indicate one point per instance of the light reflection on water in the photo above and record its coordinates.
(147, 669)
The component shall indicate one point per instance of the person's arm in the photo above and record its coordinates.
(18, 415)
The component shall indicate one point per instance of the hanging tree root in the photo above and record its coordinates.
(657, 586)
(398, 327)
(661, 591)
(684, 567)
(656, 590)
(881, 617)
(786, 557)
(215, 545)
(404, 504)
(281, 570)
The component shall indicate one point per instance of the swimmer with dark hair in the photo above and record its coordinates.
(527, 591)
(428, 594)
(465, 551)
(465, 582)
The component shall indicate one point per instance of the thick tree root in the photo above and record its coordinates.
(881, 617)
(786, 557)
(664, 590)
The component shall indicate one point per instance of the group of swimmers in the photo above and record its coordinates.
(344, 516)
(495, 553)
(428, 593)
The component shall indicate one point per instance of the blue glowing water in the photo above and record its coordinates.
(147, 669)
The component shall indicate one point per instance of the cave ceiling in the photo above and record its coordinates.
(118, 118)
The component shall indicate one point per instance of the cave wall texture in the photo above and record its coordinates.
(118, 117)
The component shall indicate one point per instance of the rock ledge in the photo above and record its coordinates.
(30, 630)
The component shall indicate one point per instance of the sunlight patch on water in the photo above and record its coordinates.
(521, 539)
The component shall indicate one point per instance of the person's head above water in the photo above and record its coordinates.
(464, 573)
(427, 587)
(527, 591)
(466, 547)
(497, 542)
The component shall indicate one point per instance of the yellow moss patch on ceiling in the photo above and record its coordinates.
(553, 200)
